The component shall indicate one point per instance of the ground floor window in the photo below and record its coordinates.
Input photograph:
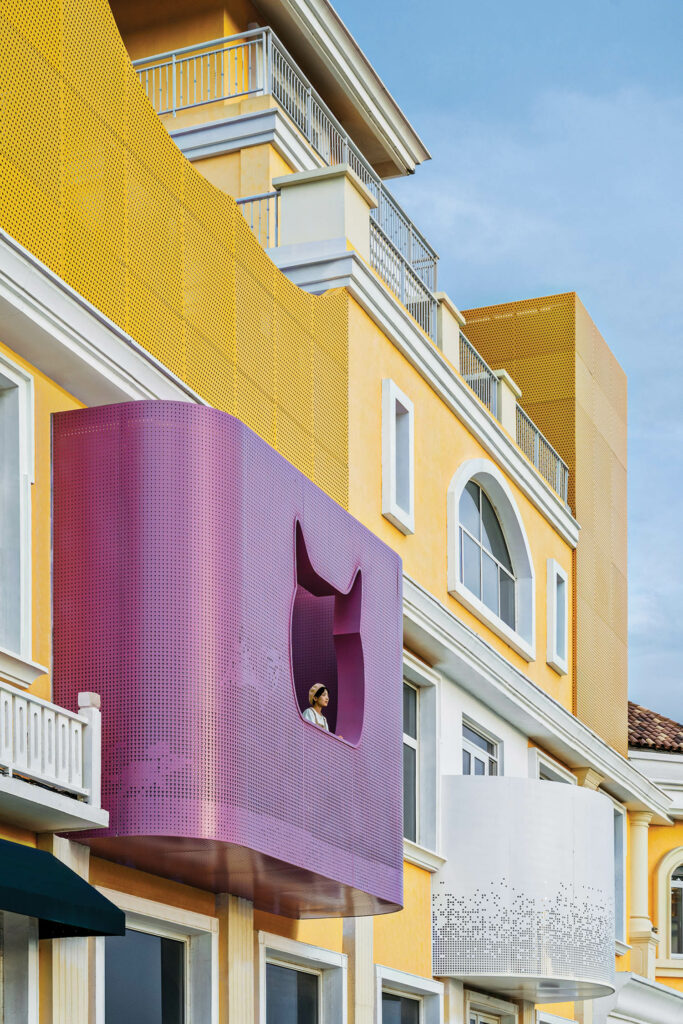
(400, 1009)
(292, 995)
(145, 979)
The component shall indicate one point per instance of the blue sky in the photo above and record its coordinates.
(556, 134)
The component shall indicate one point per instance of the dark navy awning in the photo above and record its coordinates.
(36, 884)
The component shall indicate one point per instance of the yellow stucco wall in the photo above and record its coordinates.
(403, 940)
(325, 933)
(442, 443)
(661, 841)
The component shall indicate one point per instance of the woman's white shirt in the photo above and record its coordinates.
(315, 718)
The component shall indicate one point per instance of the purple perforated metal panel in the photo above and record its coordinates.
(201, 585)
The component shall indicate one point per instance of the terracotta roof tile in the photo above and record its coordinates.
(650, 731)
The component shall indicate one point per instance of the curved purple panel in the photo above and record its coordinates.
(200, 581)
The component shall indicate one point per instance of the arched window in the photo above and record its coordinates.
(485, 565)
(677, 911)
(490, 570)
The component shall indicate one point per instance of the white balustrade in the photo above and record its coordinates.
(49, 745)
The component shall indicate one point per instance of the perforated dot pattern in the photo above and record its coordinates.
(174, 580)
(93, 186)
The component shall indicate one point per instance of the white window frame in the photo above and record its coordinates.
(424, 851)
(492, 1006)
(198, 932)
(552, 770)
(400, 983)
(486, 474)
(620, 879)
(666, 960)
(414, 743)
(330, 966)
(543, 1017)
(16, 665)
(474, 751)
(556, 573)
(395, 404)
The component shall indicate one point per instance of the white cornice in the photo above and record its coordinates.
(319, 266)
(447, 644)
(232, 134)
(64, 336)
(638, 1000)
(317, 38)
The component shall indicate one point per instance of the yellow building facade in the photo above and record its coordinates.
(193, 208)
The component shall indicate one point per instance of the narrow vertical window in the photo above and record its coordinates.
(620, 874)
(410, 761)
(292, 995)
(144, 979)
(557, 617)
(397, 458)
(677, 912)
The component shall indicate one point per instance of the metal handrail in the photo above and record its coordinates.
(265, 224)
(541, 453)
(401, 278)
(478, 375)
(212, 71)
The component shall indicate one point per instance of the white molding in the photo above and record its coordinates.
(319, 266)
(401, 982)
(19, 671)
(662, 892)
(483, 1003)
(464, 656)
(392, 398)
(44, 810)
(554, 572)
(492, 481)
(665, 769)
(538, 758)
(417, 672)
(621, 948)
(638, 1000)
(421, 857)
(543, 1017)
(260, 127)
(51, 326)
(176, 919)
(333, 967)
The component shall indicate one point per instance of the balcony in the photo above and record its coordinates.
(49, 762)
(525, 903)
(202, 585)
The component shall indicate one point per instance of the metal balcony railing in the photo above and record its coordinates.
(539, 450)
(404, 282)
(262, 214)
(478, 375)
(43, 743)
(256, 62)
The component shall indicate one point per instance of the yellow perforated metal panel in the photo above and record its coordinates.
(93, 186)
(575, 391)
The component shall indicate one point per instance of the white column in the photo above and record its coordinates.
(449, 323)
(453, 1001)
(641, 936)
(508, 396)
(236, 953)
(89, 707)
(358, 937)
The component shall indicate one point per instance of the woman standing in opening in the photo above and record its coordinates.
(318, 698)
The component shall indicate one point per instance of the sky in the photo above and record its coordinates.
(556, 134)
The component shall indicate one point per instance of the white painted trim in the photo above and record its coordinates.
(319, 266)
(554, 659)
(621, 948)
(492, 481)
(638, 1000)
(399, 982)
(421, 857)
(44, 810)
(19, 671)
(198, 931)
(665, 769)
(621, 927)
(64, 336)
(543, 1017)
(395, 404)
(483, 1003)
(465, 657)
(232, 134)
(332, 965)
(662, 892)
(538, 758)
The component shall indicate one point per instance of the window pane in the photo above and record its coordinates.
(479, 767)
(507, 599)
(493, 767)
(291, 996)
(399, 1009)
(471, 567)
(561, 618)
(402, 457)
(676, 920)
(492, 535)
(469, 509)
(410, 711)
(409, 793)
(490, 583)
(481, 741)
(144, 979)
(466, 763)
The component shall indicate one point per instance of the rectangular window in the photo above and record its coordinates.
(542, 766)
(144, 979)
(620, 873)
(292, 995)
(397, 458)
(400, 1009)
(479, 754)
(557, 617)
(410, 761)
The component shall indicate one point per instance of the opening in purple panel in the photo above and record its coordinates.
(326, 645)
